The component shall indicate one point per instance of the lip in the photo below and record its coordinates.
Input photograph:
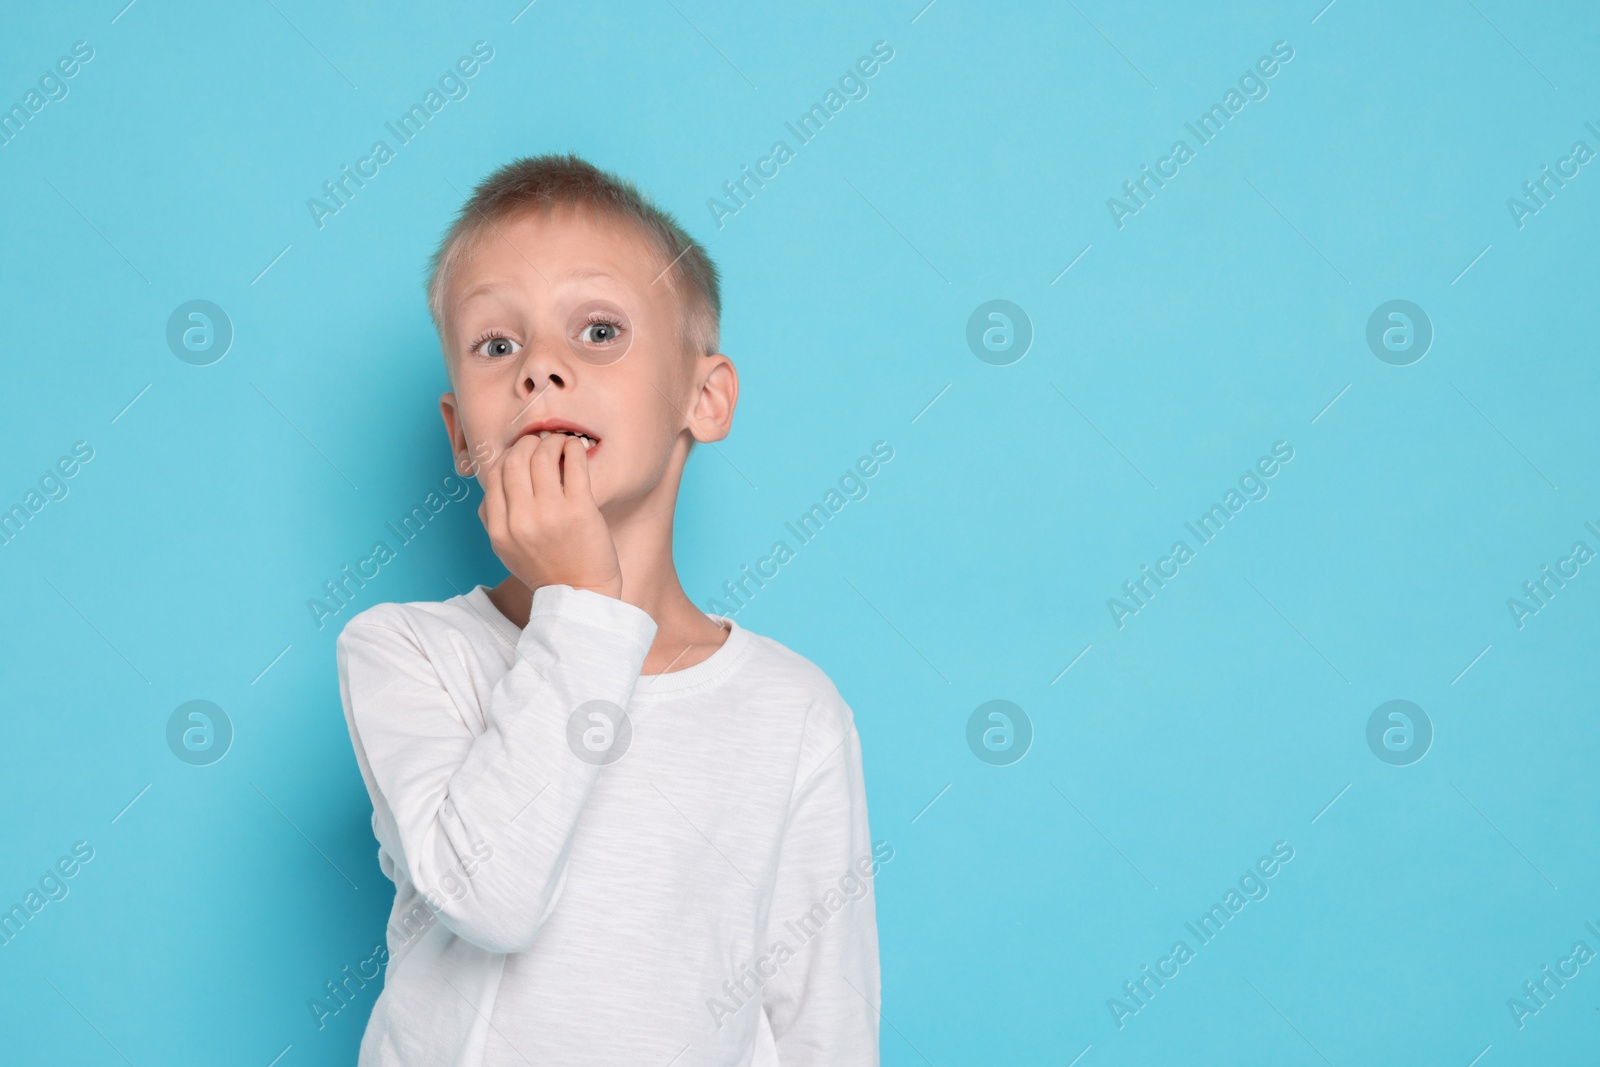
(562, 424)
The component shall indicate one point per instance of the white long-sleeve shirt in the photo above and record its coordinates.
(691, 885)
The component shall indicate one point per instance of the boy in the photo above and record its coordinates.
(620, 831)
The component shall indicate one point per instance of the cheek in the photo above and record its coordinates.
(673, 405)
(641, 426)
(494, 414)
(488, 432)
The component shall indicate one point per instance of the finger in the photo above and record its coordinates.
(546, 473)
(576, 480)
(517, 486)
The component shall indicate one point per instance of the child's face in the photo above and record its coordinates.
(563, 316)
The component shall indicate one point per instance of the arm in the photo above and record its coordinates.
(823, 1002)
(514, 791)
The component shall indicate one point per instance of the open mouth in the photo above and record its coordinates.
(567, 429)
(589, 443)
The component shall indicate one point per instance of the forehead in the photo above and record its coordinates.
(556, 249)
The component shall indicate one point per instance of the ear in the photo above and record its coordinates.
(456, 430)
(716, 395)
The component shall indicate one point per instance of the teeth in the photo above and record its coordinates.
(588, 442)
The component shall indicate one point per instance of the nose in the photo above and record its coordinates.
(546, 364)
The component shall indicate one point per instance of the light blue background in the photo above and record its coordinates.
(1224, 317)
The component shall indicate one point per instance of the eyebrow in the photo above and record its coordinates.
(591, 272)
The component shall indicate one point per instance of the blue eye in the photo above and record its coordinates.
(601, 332)
(497, 347)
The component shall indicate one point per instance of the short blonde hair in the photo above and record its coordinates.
(543, 183)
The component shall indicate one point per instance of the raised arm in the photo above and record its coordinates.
(493, 812)
(490, 815)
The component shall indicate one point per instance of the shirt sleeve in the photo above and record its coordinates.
(489, 815)
(822, 1003)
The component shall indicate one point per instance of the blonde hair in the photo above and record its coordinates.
(543, 183)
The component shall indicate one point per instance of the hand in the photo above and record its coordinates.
(542, 518)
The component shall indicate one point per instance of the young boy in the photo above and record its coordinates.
(620, 831)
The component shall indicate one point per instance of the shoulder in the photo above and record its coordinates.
(781, 666)
(417, 623)
(791, 677)
(420, 647)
